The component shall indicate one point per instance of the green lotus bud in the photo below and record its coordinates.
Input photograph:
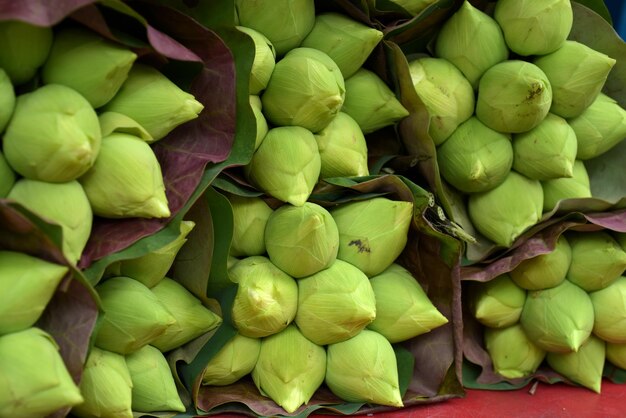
(261, 123)
(192, 317)
(566, 188)
(286, 165)
(370, 102)
(7, 177)
(266, 300)
(403, 310)
(413, 7)
(126, 180)
(236, 359)
(471, 40)
(133, 315)
(35, 382)
(53, 136)
(534, 28)
(503, 213)
(584, 366)
(63, 203)
(597, 260)
(151, 268)
(609, 306)
(599, 127)
(372, 232)
(498, 303)
(446, 93)
(154, 388)
(342, 148)
(285, 22)
(25, 47)
(577, 74)
(26, 284)
(250, 215)
(7, 99)
(335, 304)
(90, 64)
(348, 42)
(547, 151)
(616, 354)
(546, 270)
(306, 89)
(111, 122)
(475, 158)
(559, 319)
(290, 368)
(160, 108)
(301, 240)
(264, 60)
(513, 96)
(364, 369)
(106, 385)
(512, 353)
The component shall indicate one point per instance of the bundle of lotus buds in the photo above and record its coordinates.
(516, 109)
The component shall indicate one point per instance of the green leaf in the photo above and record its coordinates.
(597, 6)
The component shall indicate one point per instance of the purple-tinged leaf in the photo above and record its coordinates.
(40, 12)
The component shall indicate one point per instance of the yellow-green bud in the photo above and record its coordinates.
(63, 203)
(599, 127)
(151, 99)
(90, 64)
(342, 148)
(373, 232)
(503, 213)
(583, 366)
(534, 28)
(364, 369)
(566, 188)
(597, 260)
(126, 180)
(335, 304)
(235, 359)
(286, 165)
(27, 284)
(7, 99)
(284, 22)
(576, 74)
(264, 60)
(290, 368)
(192, 317)
(559, 319)
(261, 123)
(413, 7)
(609, 306)
(301, 240)
(25, 47)
(7, 177)
(151, 268)
(133, 316)
(446, 93)
(306, 89)
(513, 96)
(370, 102)
(106, 386)
(545, 270)
(498, 303)
(403, 310)
(616, 354)
(475, 158)
(35, 381)
(512, 353)
(154, 388)
(471, 40)
(53, 135)
(547, 151)
(111, 122)
(250, 215)
(345, 40)
(266, 299)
